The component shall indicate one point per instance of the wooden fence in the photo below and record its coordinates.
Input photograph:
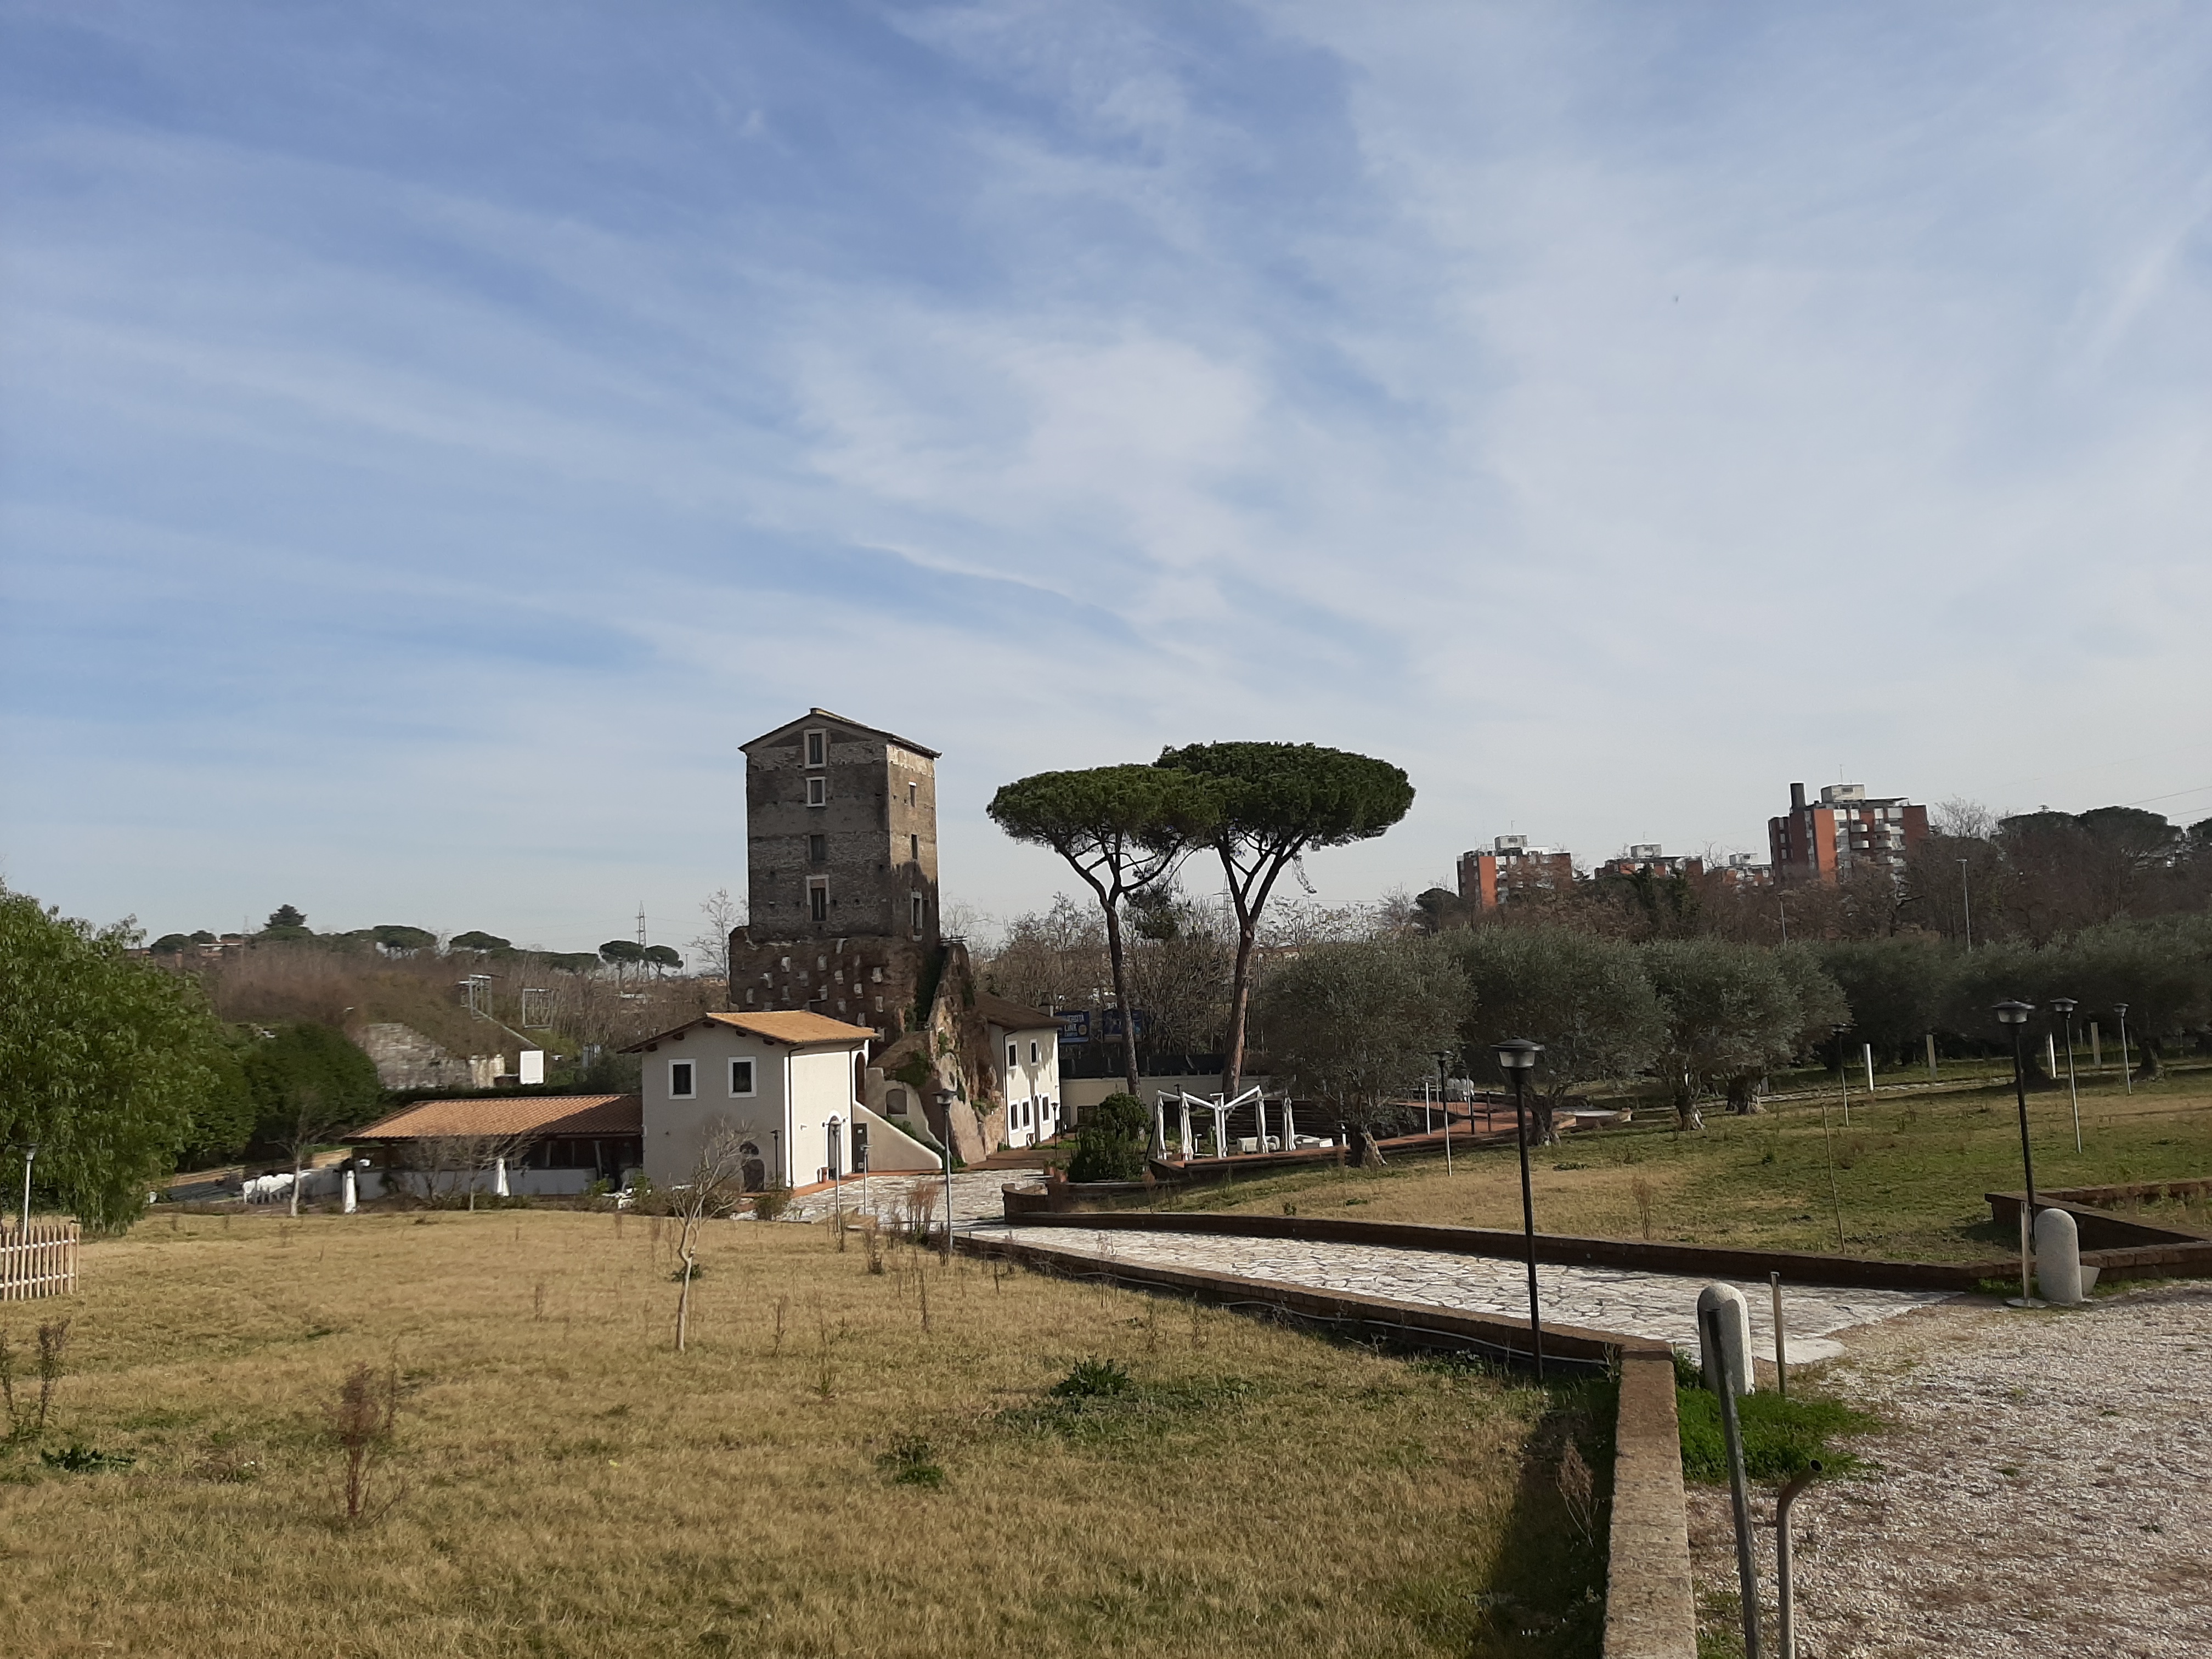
(39, 1261)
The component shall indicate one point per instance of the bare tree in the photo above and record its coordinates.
(447, 1165)
(724, 916)
(716, 1184)
(309, 1121)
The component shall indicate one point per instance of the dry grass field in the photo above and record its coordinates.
(1910, 1168)
(560, 1482)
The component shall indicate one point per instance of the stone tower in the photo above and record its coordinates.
(841, 841)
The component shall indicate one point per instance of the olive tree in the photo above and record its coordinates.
(1360, 1025)
(1731, 1013)
(1122, 829)
(1587, 1000)
(1275, 802)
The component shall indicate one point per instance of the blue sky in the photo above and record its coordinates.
(433, 438)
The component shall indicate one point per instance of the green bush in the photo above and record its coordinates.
(1109, 1143)
(1093, 1379)
(770, 1205)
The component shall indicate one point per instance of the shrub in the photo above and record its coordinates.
(1093, 1379)
(1110, 1145)
(771, 1204)
(912, 1462)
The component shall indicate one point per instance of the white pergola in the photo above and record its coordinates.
(1184, 1103)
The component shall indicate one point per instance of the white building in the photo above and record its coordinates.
(785, 1082)
(1024, 1047)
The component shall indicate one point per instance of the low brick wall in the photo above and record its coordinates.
(2099, 1229)
(1692, 1261)
(1650, 1609)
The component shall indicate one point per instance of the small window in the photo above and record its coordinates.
(1033, 1054)
(1013, 1057)
(818, 748)
(818, 899)
(741, 1079)
(913, 848)
(914, 903)
(818, 849)
(680, 1075)
(910, 795)
(818, 792)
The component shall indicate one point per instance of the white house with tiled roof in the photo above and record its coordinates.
(1024, 1045)
(547, 1144)
(785, 1082)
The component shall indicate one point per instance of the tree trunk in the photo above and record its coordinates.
(1739, 1098)
(2152, 1066)
(1240, 993)
(1115, 961)
(1687, 1116)
(1543, 1117)
(295, 1187)
(683, 1303)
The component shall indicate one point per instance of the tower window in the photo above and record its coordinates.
(818, 849)
(910, 795)
(913, 904)
(818, 792)
(818, 748)
(913, 848)
(818, 899)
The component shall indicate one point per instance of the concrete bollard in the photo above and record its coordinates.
(2057, 1257)
(352, 1192)
(499, 1179)
(1734, 1362)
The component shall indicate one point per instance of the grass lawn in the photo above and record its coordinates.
(819, 1475)
(1909, 1171)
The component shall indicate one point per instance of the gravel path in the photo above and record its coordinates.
(2046, 1488)
(1662, 1306)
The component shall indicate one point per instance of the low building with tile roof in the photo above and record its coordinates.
(552, 1145)
(785, 1082)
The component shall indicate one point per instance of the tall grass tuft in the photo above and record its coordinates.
(361, 1423)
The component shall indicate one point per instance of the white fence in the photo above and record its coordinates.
(39, 1261)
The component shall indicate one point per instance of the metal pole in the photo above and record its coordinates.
(30, 1153)
(1781, 1343)
(1782, 1559)
(2072, 1087)
(2127, 1065)
(1747, 1567)
(1528, 1219)
(2027, 1153)
(1967, 901)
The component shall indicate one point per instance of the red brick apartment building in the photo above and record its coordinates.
(1488, 880)
(1844, 831)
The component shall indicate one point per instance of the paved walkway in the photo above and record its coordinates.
(1662, 1306)
(976, 1197)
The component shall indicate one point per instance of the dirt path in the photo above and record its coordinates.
(2044, 1488)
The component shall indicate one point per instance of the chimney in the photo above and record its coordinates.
(1796, 797)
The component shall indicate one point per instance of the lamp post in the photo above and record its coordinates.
(2065, 1005)
(2127, 1066)
(1967, 903)
(1516, 1057)
(30, 1153)
(944, 1099)
(2015, 1014)
(1443, 1093)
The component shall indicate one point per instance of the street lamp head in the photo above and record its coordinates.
(1516, 1053)
(2063, 1004)
(2014, 1013)
(2121, 1009)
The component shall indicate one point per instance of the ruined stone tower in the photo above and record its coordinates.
(841, 840)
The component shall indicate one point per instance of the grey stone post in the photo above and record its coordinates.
(1733, 1363)
(2057, 1257)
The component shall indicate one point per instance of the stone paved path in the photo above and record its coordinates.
(1662, 1306)
(976, 1196)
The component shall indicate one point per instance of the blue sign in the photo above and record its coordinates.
(1074, 1028)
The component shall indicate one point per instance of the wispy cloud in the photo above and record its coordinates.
(436, 439)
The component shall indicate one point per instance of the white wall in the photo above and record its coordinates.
(1025, 1080)
(675, 1129)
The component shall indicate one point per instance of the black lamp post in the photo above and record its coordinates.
(1444, 1098)
(2127, 1065)
(1516, 1058)
(2015, 1014)
(944, 1099)
(2065, 1007)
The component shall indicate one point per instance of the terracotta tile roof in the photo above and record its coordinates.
(796, 1026)
(815, 716)
(512, 1114)
(1013, 1016)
